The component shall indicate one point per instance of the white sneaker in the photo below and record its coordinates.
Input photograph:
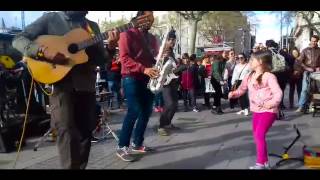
(260, 166)
(311, 110)
(266, 165)
(240, 112)
(246, 112)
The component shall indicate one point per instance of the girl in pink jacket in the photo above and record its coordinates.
(265, 96)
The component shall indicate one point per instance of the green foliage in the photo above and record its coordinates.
(107, 25)
(222, 23)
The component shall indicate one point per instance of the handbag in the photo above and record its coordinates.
(238, 82)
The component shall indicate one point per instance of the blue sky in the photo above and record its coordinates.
(268, 28)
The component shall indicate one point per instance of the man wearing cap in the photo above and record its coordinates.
(73, 100)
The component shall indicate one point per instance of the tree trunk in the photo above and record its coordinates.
(192, 36)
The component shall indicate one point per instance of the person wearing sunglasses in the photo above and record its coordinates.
(240, 71)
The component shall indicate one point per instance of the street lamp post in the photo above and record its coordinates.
(242, 39)
(22, 20)
(180, 35)
(281, 42)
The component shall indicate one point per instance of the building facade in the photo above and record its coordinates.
(302, 32)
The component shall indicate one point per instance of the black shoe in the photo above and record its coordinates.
(208, 106)
(186, 109)
(219, 112)
(94, 140)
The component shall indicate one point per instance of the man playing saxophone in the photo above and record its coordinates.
(169, 91)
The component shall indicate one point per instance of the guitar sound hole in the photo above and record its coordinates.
(73, 48)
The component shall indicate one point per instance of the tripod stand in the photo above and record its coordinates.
(40, 141)
(103, 128)
(284, 157)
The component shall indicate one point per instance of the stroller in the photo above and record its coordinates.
(314, 93)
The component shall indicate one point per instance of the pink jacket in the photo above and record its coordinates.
(268, 93)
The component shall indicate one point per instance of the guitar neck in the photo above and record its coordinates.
(102, 36)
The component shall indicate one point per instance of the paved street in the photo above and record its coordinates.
(206, 141)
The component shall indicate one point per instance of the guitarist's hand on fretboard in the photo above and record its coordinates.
(113, 38)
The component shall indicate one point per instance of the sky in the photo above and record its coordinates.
(268, 28)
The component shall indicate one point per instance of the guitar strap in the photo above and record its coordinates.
(88, 28)
(146, 44)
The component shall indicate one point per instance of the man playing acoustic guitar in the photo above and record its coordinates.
(73, 100)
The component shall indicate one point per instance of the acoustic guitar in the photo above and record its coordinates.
(72, 45)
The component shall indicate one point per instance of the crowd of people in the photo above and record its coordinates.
(224, 71)
(247, 80)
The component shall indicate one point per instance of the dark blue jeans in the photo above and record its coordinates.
(158, 100)
(139, 102)
(114, 87)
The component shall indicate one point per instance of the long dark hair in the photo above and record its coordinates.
(244, 56)
(266, 60)
(295, 48)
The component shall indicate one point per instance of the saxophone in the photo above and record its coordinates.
(165, 69)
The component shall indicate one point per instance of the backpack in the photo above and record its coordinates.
(278, 63)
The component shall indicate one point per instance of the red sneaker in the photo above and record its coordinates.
(157, 109)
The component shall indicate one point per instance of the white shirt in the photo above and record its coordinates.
(237, 70)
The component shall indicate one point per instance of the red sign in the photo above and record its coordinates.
(217, 39)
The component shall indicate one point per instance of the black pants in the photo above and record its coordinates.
(189, 95)
(232, 102)
(207, 98)
(218, 92)
(73, 116)
(282, 78)
(295, 81)
(170, 98)
(243, 100)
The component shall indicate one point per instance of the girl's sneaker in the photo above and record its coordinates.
(240, 112)
(246, 112)
(260, 166)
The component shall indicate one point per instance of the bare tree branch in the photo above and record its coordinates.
(308, 16)
(192, 15)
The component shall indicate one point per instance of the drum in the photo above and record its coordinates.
(312, 157)
(209, 88)
(314, 82)
(315, 76)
